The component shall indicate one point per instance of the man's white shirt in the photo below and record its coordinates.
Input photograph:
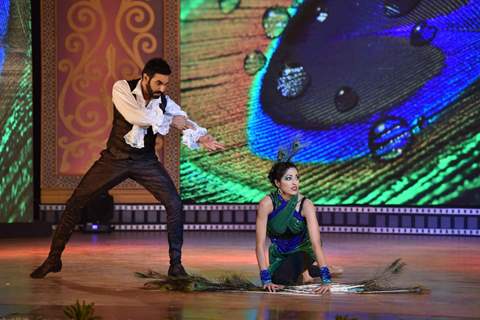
(132, 108)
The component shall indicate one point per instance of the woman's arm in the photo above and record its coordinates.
(264, 208)
(313, 231)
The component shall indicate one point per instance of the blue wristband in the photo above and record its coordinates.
(265, 277)
(325, 275)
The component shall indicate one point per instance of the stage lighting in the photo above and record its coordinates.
(98, 213)
(97, 228)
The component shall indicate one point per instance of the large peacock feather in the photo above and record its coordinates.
(380, 283)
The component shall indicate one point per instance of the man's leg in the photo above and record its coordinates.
(102, 176)
(152, 175)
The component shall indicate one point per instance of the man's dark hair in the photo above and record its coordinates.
(156, 65)
(278, 170)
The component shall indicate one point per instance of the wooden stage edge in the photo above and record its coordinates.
(100, 268)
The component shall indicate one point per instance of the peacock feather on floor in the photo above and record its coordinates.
(379, 283)
(195, 283)
(383, 281)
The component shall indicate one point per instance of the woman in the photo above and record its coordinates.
(289, 220)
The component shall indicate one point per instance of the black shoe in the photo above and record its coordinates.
(177, 271)
(50, 265)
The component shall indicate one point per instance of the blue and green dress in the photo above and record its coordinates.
(290, 252)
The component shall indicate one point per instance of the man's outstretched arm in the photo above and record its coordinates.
(194, 135)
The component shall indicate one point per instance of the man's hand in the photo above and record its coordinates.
(209, 143)
(180, 122)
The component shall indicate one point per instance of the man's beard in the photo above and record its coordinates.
(151, 93)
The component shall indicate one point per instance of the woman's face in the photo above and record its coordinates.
(290, 183)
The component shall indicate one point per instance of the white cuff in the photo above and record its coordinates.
(191, 136)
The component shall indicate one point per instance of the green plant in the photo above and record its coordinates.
(82, 311)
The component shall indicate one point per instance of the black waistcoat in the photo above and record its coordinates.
(116, 144)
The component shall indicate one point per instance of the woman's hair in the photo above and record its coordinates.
(278, 170)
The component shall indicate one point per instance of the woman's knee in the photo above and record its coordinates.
(286, 279)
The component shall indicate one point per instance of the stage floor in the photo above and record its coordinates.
(99, 269)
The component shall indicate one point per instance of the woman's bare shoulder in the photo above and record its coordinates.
(308, 202)
(307, 205)
(266, 202)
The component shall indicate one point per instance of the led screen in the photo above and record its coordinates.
(382, 95)
(16, 158)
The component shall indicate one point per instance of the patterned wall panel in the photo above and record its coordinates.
(86, 46)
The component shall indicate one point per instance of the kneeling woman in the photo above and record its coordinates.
(289, 220)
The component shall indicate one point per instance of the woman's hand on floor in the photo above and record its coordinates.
(323, 289)
(271, 287)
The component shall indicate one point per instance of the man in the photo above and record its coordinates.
(141, 111)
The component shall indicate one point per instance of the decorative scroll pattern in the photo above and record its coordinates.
(86, 46)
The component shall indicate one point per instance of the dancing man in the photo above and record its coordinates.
(141, 113)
